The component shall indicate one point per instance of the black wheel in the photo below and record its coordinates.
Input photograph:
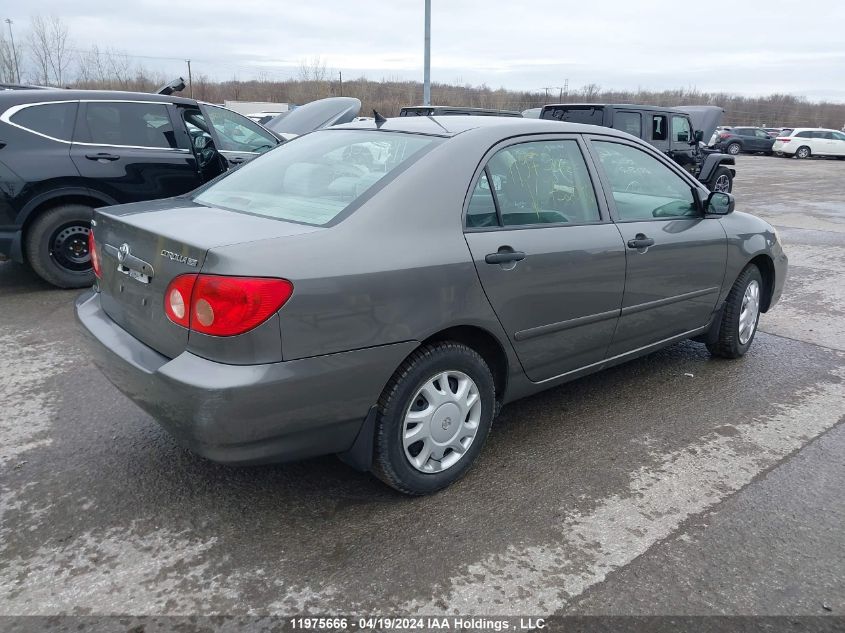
(740, 315)
(802, 152)
(722, 180)
(734, 148)
(433, 418)
(57, 246)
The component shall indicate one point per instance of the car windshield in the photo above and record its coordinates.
(313, 179)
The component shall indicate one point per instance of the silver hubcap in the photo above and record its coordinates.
(803, 153)
(750, 311)
(722, 184)
(733, 149)
(442, 422)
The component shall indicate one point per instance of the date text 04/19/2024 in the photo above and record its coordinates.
(414, 623)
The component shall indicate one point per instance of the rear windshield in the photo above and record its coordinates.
(589, 115)
(313, 179)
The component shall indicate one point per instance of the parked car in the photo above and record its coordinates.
(455, 111)
(65, 152)
(315, 116)
(806, 142)
(677, 132)
(311, 302)
(744, 139)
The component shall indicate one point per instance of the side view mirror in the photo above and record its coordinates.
(699, 136)
(719, 203)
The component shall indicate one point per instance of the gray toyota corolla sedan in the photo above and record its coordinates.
(380, 290)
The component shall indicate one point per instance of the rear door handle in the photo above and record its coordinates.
(102, 156)
(505, 255)
(640, 241)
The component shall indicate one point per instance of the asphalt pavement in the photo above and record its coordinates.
(673, 484)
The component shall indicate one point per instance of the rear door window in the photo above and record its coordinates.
(541, 182)
(659, 128)
(128, 124)
(53, 120)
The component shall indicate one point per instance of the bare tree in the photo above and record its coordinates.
(49, 46)
(9, 58)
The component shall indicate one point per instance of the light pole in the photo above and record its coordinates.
(14, 51)
(427, 63)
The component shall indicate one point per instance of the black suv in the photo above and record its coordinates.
(64, 152)
(744, 139)
(677, 132)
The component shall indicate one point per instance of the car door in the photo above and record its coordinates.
(763, 142)
(128, 150)
(238, 139)
(838, 146)
(676, 257)
(550, 261)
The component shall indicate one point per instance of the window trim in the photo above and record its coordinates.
(604, 212)
(13, 110)
(661, 158)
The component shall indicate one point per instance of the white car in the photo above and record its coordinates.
(806, 142)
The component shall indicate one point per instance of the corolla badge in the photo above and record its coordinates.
(176, 257)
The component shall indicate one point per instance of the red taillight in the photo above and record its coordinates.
(224, 306)
(724, 134)
(92, 253)
(177, 299)
(783, 139)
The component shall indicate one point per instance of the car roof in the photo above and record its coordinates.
(453, 125)
(15, 97)
(812, 129)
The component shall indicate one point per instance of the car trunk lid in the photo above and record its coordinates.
(144, 246)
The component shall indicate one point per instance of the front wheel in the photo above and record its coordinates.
(722, 180)
(434, 416)
(740, 315)
(57, 246)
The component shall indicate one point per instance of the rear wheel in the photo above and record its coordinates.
(734, 149)
(722, 180)
(57, 246)
(740, 315)
(434, 416)
(802, 152)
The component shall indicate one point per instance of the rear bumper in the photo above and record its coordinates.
(244, 413)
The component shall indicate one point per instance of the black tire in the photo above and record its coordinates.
(718, 178)
(57, 246)
(390, 463)
(728, 344)
(803, 152)
(733, 149)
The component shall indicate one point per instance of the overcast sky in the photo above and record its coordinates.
(745, 46)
